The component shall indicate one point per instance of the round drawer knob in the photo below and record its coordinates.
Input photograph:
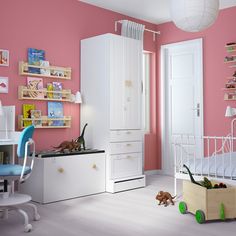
(60, 170)
(94, 166)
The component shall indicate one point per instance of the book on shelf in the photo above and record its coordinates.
(34, 57)
(49, 88)
(36, 118)
(44, 71)
(57, 86)
(27, 113)
(35, 84)
(55, 110)
(59, 73)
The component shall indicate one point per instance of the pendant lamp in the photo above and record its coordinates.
(194, 15)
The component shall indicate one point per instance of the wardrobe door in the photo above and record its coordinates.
(132, 83)
(116, 76)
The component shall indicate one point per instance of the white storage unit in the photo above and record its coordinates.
(64, 177)
(111, 89)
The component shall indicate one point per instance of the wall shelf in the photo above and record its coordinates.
(231, 47)
(54, 70)
(230, 85)
(24, 93)
(46, 122)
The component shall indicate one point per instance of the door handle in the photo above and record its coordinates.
(197, 109)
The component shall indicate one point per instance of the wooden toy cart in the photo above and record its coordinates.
(208, 204)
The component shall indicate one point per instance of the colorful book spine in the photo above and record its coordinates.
(55, 110)
(49, 88)
(35, 84)
(57, 86)
(34, 57)
(27, 113)
(36, 118)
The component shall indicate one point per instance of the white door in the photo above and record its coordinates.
(182, 96)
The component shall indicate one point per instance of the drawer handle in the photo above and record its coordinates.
(128, 144)
(94, 166)
(61, 170)
(128, 157)
(128, 132)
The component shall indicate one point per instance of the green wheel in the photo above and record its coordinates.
(182, 208)
(200, 216)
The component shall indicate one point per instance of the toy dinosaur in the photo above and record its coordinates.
(163, 197)
(70, 145)
(80, 139)
(191, 176)
(205, 183)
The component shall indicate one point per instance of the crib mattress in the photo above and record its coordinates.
(218, 165)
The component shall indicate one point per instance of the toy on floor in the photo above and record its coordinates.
(163, 197)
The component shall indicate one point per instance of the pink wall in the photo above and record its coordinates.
(57, 27)
(215, 71)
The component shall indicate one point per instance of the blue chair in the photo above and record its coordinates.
(15, 172)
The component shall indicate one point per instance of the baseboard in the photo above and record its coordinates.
(153, 172)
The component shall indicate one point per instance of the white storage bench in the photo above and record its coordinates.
(67, 176)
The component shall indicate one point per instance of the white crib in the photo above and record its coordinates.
(217, 161)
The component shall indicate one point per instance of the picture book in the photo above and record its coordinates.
(55, 110)
(36, 118)
(34, 57)
(44, 71)
(58, 73)
(57, 86)
(27, 113)
(49, 88)
(35, 84)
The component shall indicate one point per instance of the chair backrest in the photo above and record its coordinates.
(25, 135)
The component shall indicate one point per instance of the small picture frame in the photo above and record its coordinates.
(3, 84)
(4, 57)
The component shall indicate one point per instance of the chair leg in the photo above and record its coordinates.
(28, 227)
(36, 214)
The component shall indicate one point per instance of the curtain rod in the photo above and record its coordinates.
(148, 30)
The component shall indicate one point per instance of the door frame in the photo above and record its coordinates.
(164, 100)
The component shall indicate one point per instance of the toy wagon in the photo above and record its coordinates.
(208, 204)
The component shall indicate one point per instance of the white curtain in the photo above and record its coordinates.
(132, 30)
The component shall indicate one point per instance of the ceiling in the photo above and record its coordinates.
(154, 11)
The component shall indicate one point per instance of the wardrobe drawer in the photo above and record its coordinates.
(125, 147)
(125, 165)
(125, 135)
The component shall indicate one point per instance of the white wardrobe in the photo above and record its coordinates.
(111, 84)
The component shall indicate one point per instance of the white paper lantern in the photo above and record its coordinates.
(194, 15)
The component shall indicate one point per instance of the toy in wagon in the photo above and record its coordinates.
(208, 200)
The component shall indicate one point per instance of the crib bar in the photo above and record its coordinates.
(223, 159)
(181, 153)
(230, 159)
(194, 142)
(202, 161)
(215, 149)
(208, 154)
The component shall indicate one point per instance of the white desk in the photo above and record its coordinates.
(8, 147)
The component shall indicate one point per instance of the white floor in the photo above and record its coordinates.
(123, 214)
